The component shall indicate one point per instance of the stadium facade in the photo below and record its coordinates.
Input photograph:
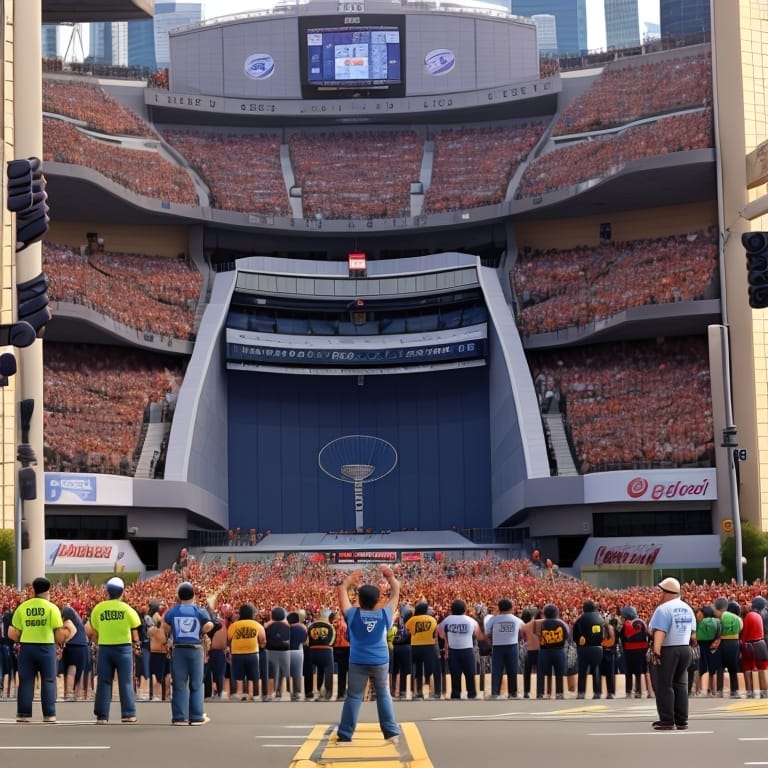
(425, 355)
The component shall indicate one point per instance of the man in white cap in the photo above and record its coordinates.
(185, 623)
(673, 631)
(114, 626)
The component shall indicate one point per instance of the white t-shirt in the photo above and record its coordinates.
(503, 628)
(459, 631)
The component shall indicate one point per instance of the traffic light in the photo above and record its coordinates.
(27, 198)
(756, 245)
(32, 297)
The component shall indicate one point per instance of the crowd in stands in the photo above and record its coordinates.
(242, 170)
(578, 286)
(95, 399)
(633, 404)
(595, 158)
(356, 175)
(143, 171)
(625, 92)
(91, 104)
(153, 294)
(472, 167)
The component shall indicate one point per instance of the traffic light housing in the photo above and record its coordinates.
(756, 246)
(27, 198)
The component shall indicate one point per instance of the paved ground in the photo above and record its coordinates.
(445, 734)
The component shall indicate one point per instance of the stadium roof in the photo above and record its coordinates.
(75, 11)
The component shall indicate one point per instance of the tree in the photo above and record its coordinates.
(754, 547)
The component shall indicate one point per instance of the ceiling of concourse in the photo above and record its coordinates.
(80, 11)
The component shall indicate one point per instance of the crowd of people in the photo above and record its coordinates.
(243, 171)
(629, 90)
(142, 171)
(562, 167)
(644, 403)
(295, 606)
(473, 167)
(153, 294)
(90, 104)
(559, 289)
(95, 404)
(356, 174)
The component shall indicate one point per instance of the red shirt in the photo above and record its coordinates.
(753, 627)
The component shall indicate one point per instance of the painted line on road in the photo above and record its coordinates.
(30, 747)
(654, 733)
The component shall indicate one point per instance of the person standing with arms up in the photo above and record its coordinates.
(114, 625)
(37, 625)
(673, 631)
(367, 628)
(185, 624)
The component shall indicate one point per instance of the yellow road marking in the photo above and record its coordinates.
(366, 748)
(576, 710)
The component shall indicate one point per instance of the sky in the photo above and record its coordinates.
(648, 11)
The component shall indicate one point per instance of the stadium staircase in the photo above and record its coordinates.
(563, 456)
(156, 434)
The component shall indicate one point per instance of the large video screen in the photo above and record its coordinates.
(352, 56)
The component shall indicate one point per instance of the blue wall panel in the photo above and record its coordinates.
(437, 422)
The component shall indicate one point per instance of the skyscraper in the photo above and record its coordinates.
(546, 32)
(685, 18)
(570, 18)
(49, 42)
(622, 24)
(141, 44)
(168, 16)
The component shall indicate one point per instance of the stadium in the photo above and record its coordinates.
(381, 284)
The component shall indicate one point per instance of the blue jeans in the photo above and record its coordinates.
(187, 677)
(111, 659)
(359, 674)
(34, 659)
(504, 658)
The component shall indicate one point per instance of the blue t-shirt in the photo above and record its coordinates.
(677, 619)
(186, 623)
(79, 638)
(367, 633)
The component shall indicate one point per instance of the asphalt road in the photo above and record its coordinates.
(456, 734)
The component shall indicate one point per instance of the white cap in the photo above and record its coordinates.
(670, 585)
(116, 583)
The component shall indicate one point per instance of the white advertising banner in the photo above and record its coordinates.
(91, 556)
(87, 489)
(695, 551)
(651, 485)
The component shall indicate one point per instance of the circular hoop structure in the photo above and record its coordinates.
(357, 458)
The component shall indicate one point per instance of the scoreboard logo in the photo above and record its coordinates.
(439, 62)
(259, 66)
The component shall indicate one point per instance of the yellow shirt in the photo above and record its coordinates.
(423, 629)
(244, 636)
(36, 619)
(114, 620)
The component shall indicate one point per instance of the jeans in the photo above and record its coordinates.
(297, 667)
(461, 663)
(34, 659)
(359, 674)
(114, 658)
(322, 660)
(589, 657)
(551, 661)
(187, 685)
(504, 658)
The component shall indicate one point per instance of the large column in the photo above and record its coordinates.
(28, 127)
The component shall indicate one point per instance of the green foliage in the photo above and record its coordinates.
(754, 547)
(8, 553)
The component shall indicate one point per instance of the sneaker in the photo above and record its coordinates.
(23, 719)
(133, 719)
(205, 720)
(393, 739)
(102, 721)
(659, 726)
(610, 696)
(49, 719)
(179, 722)
(735, 695)
(682, 727)
(343, 739)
